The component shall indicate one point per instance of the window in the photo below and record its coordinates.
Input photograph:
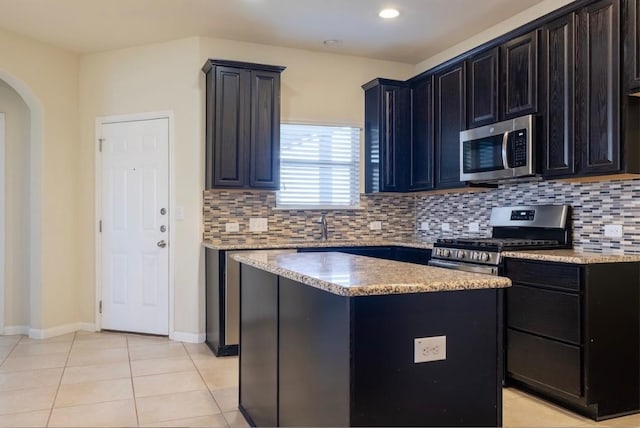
(319, 166)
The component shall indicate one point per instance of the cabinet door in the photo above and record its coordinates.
(230, 157)
(482, 88)
(631, 20)
(421, 173)
(372, 139)
(387, 119)
(559, 61)
(394, 137)
(519, 74)
(450, 120)
(597, 88)
(265, 130)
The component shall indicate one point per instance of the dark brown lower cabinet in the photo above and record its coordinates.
(313, 358)
(572, 334)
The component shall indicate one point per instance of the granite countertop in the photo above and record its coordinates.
(351, 275)
(310, 243)
(572, 256)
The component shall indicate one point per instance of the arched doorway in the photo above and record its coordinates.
(21, 167)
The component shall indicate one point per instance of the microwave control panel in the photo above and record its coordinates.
(519, 148)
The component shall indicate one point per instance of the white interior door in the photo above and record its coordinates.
(135, 223)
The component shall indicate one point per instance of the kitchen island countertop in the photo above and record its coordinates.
(352, 275)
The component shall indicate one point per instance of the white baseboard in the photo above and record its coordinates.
(180, 336)
(35, 333)
(11, 330)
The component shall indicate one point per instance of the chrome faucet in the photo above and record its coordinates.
(323, 226)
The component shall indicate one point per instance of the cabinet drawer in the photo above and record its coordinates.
(547, 362)
(543, 273)
(549, 313)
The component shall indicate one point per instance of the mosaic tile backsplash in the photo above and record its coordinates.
(593, 206)
(395, 212)
(402, 215)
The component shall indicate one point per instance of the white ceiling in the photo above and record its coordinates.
(424, 28)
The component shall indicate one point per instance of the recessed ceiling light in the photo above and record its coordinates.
(333, 42)
(389, 13)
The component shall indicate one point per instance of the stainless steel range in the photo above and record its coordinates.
(514, 228)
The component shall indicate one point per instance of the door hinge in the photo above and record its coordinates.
(100, 226)
(100, 140)
(100, 307)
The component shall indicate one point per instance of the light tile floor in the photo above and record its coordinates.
(109, 379)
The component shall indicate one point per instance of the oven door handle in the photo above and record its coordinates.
(505, 146)
(487, 270)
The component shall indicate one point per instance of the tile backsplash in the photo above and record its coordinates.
(395, 212)
(594, 205)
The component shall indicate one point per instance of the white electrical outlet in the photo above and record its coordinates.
(231, 227)
(429, 349)
(424, 225)
(375, 225)
(258, 224)
(613, 231)
(445, 227)
(474, 227)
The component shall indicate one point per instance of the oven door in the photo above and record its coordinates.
(467, 267)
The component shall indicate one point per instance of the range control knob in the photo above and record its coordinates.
(460, 254)
(445, 252)
(484, 257)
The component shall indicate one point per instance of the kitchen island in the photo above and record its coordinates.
(332, 339)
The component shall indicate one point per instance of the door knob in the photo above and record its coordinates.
(162, 244)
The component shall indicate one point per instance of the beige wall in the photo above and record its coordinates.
(46, 77)
(16, 171)
(315, 87)
(505, 26)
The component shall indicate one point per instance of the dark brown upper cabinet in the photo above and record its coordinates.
(631, 23)
(386, 135)
(422, 133)
(558, 60)
(450, 119)
(519, 76)
(598, 88)
(242, 125)
(482, 88)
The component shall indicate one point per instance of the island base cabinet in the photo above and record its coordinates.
(389, 389)
(312, 358)
(259, 339)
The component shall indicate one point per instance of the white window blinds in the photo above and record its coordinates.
(319, 166)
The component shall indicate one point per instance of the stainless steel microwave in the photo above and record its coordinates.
(500, 150)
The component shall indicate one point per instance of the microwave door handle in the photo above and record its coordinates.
(505, 144)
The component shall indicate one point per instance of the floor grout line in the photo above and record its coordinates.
(64, 368)
(133, 388)
(207, 386)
